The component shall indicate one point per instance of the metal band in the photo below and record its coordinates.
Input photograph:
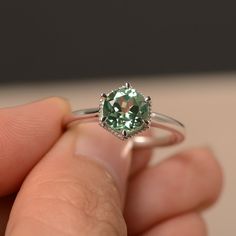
(175, 130)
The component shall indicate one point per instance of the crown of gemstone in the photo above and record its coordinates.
(125, 111)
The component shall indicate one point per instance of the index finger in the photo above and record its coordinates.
(26, 133)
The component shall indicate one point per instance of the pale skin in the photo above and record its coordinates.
(80, 181)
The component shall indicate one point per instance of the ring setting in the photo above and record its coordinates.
(125, 112)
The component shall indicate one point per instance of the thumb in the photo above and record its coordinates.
(76, 189)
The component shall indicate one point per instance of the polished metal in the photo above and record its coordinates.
(103, 95)
(175, 129)
(124, 133)
(147, 99)
(127, 85)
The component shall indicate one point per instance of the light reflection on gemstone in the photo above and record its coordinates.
(125, 109)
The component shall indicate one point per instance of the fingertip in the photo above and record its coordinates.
(60, 102)
(205, 161)
(27, 132)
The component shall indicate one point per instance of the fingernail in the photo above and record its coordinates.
(96, 144)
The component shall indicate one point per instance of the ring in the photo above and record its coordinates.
(125, 112)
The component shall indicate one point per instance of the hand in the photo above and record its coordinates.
(75, 182)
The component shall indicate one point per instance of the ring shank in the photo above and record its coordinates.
(175, 129)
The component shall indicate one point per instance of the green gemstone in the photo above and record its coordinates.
(125, 109)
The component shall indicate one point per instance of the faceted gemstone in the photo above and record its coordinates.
(125, 109)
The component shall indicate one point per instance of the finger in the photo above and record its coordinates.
(184, 182)
(26, 134)
(184, 225)
(76, 188)
(140, 159)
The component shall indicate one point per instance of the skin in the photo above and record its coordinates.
(84, 181)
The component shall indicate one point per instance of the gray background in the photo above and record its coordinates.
(48, 39)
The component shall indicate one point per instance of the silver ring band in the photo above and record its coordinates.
(175, 131)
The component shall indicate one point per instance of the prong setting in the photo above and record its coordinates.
(103, 95)
(124, 134)
(127, 85)
(148, 99)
